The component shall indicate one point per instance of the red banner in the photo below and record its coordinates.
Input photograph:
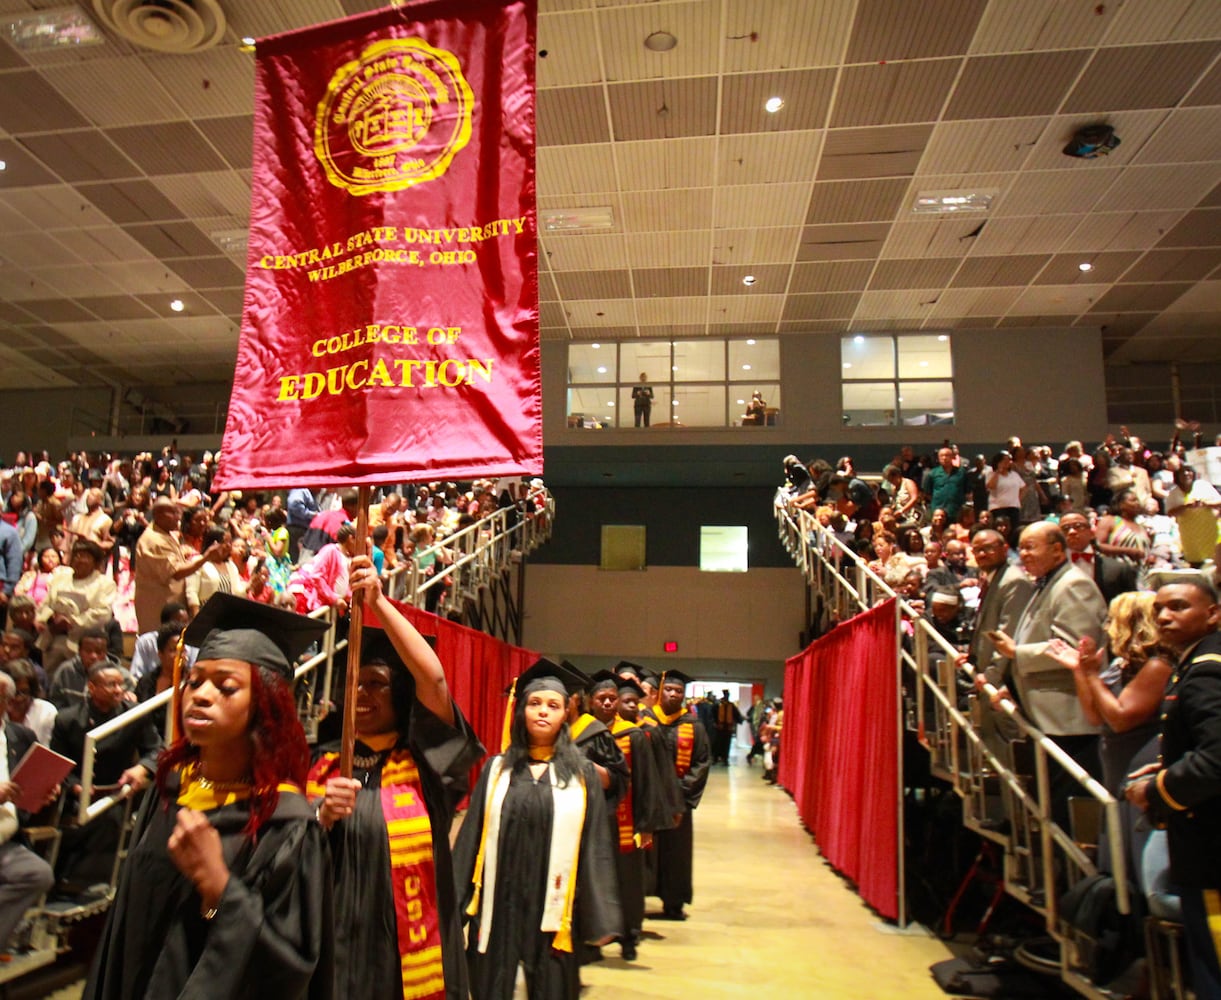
(390, 324)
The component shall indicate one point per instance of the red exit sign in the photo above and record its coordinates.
(670, 646)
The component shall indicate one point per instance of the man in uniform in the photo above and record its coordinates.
(1182, 790)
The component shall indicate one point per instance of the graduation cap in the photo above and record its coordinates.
(604, 679)
(625, 668)
(542, 675)
(630, 684)
(236, 628)
(671, 676)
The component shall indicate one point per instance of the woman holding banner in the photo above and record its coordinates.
(533, 860)
(227, 889)
(397, 931)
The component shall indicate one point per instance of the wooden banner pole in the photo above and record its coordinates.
(356, 623)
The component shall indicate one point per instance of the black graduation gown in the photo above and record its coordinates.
(652, 810)
(597, 744)
(523, 850)
(367, 960)
(675, 847)
(271, 936)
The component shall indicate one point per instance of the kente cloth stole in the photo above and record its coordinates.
(624, 820)
(413, 874)
(686, 743)
(568, 820)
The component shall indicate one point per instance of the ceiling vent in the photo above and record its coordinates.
(164, 25)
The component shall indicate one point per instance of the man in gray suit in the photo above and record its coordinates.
(1066, 604)
(1004, 591)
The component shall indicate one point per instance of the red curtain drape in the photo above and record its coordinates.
(839, 751)
(478, 668)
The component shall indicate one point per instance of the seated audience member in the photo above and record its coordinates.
(18, 644)
(145, 658)
(953, 570)
(126, 757)
(24, 876)
(36, 580)
(70, 683)
(944, 610)
(80, 597)
(885, 551)
(938, 525)
(324, 582)
(26, 706)
(259, 587)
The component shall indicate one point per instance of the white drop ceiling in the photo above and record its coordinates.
(129, 171)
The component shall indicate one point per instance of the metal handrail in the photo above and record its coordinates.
(822, 557)
(495, 551)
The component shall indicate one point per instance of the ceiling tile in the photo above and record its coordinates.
(85, 155)
(894, 92)
(1058, 300)
(594, 284)
(131, 201)
(777, 34)
(691, 311)
(1165, 20)
(212, 83)
(568, 50)
(1186, 136)
(956, 303)
(842, 242)
(589, 251)
(758, 204)
(983, 271)
(1012, 86)
(754, 246)
(1134, 129)
(838, 305)
(694, 23)
(577, 169)
(767, 159)
(881, 32)
(172, 239)
(727, 309)
(1174, 265)
(981, 146)
(855, 201)
(1052, 192)
(56, 310)
(1101, 231)
(207, 272)
(806, 94)
(1201, 228)
(1137, 298)
(22, 169)
(232, 137)
(1208, 90)
(102, 89)
(658, 211)
(59, 207)
(938, 236)
(172, 148)
(75, 281)
(663, 109)
(29, 104)
(1042, 24)
(116, 307)
(665, 164)
(1064, 269)
(900, 308)
(1159, 187)
(927, 273)
(1038, 234)
(1140, 76)
(770, 279)
(835, 276)
(689, 248)
(669, 282)
(222, 193)
(571, 115)
(873, 152)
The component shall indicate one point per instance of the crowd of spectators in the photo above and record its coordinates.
(1077, 587)
(96, 550)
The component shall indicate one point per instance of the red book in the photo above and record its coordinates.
(40, 770)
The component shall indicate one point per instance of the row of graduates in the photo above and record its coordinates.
(256, 870)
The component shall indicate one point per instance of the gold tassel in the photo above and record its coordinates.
(506, 735)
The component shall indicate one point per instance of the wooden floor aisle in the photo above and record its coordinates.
(770, 918)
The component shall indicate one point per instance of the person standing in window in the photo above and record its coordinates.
(642, 400)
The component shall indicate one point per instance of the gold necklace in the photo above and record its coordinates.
(197, 777)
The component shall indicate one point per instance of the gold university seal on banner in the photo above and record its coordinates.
(394, 117)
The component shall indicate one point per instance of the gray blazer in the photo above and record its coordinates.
(1008, 594)
(1068, 607)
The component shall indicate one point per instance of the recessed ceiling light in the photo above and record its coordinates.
(611, 403)
(674, 368)
(674, 402)
(773, 104)
(602, 369)
(741, 402)
(748, 280)
(858, 339)
(923, 364)
(660, 41)
(847, 364)
(3, 165)
(248, 43)
(1085, 265)
(750, 343)
(177, 305)
(596, 346)
(900, 399)
(943, 338)
(746, 368)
